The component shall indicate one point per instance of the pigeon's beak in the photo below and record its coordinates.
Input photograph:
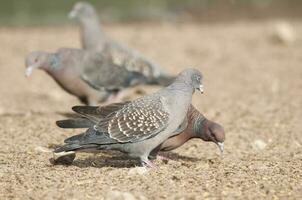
(72, 14)
(220, 146)
(200, 88)
(29, 70)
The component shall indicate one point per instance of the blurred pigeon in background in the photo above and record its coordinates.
(91, 76)
(93, 38)
(136, 127)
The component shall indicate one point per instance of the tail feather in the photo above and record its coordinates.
(67, 147)
(91, 136)
(89, 112)
(75, 123)
(75, 147)
(95, 113)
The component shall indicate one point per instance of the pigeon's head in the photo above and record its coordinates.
(39, 60)
(193, 78)
(212, 132)
(82, 11)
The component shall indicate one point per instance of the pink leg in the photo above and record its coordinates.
(114, 98)
(148, 163)
(163, 158)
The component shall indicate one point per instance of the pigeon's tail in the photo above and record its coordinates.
(91, 115)
(89, 140)
(75, 147)
(75, 123)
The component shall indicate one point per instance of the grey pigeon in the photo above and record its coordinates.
(93, 38)
(136, 127)
(197, 126)
(90, 76)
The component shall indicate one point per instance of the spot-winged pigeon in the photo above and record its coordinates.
(197, 126)
(89, 75)
(135, 127)
(93, 38)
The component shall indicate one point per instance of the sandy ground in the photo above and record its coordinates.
(253, 87)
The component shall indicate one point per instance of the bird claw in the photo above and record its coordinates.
(149, 164)
(163, 158)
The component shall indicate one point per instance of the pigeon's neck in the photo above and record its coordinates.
(182, 87)
(53, 63)
(92, 35)
(195, 119)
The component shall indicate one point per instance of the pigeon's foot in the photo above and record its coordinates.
(149, 164)
(118, 97)
(164, 158)
(160, 157)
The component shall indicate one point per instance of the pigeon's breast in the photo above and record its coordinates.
(177, 106)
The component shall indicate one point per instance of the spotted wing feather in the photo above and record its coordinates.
(136, 121)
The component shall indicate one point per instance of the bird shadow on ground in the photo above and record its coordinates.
(103, 159)
(100, 162)
(177, 157)
(116, 160)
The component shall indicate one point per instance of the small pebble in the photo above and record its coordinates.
(259, 144)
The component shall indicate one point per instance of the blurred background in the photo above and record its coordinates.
(42, 12)
(250, 54)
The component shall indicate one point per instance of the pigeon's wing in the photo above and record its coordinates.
(135, 62)
(75, 123)
(90, 137)
(95, 113)
(136, 121)
(100, 72)
(129, 59)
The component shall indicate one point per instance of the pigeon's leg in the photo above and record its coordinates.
(119, 96)
(148, 163)
(94, 100)
(158, 156)
(155, 155)
(164, 158)
(111, 99)
(103, 96)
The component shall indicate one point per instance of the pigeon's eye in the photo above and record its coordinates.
(198, 78)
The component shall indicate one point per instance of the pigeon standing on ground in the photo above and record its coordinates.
(197, 126)
(90, 76)
(93, 38)
(137, 127)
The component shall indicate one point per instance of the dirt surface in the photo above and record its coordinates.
(253, 87)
